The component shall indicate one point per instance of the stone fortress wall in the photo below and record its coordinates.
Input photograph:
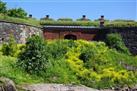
(129, 36)
(18, 30)
(22, 31)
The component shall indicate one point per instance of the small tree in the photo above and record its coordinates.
(34, 57)
(3, 8)
(10, 48)
(17, 12)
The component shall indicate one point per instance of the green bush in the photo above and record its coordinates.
(3, 8)
(9, 70)
(114, 40)
(59, 72)
(65, 19)
(57, 49)
(17, 12)
(98, 66)
(10, 48)
(34, 58)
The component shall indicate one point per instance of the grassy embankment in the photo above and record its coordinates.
(76, 62)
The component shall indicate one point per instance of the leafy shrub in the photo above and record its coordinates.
(33, 59)
(20, 48)
(65, 19)
(3, 8)
(57, 49)
(9, 69)
(86, 55)
(115, 41)
(10, 48)
(59, 72)
(17, 12)
(101, 67)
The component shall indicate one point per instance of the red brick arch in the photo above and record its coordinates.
(59, 33)
(64, 33)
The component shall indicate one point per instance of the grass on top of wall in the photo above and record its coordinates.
(120, 24)
(70, 23)
(27, 21)
(39, 23)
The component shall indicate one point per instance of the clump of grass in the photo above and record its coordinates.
(28, 21)
(8, 69)
(69, 23)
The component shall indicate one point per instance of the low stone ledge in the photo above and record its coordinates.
(56, 87)
(7, 84)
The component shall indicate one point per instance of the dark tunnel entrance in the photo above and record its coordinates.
(70, 37)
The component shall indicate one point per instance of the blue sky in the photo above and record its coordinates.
(111, 9)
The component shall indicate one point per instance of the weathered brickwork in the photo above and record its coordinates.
(86, 34)
(19, 31)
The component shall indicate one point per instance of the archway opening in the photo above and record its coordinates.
(70, 37)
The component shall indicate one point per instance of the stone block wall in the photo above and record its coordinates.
(22, 31)
(19, 31)
(129, 36)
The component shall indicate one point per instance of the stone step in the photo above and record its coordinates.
(56, 87)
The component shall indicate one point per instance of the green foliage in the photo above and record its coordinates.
(81, 19)
(101, 67)
(33, 59)
(17, 12)
(65, 19)
(69, 23)
(120, 24)
(49, 19)
(59, 72)
(57, 49)
(16, 15)
(107, 24)
(28, 21)
(8, 69)
(3, 8)
(97, 20)
(122, 20)
(115, 41)
(73, 62)
(10, 48)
